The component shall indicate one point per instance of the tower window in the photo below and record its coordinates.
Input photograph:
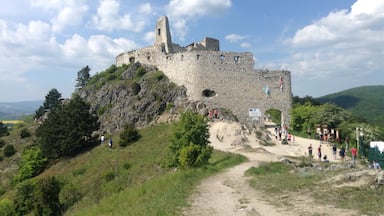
(158, 31)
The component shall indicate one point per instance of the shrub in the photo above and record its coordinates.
(6, 208)
(189, 147)
(126, 165)
(31, 164)
(140, 71)
(109, 176)
(68, 196)
(46, 197)
(135, 88)
(25, 133)
(9, 150)
(23, 202)
(2, 143)
(129, 135)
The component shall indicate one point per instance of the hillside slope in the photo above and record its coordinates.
(366, 102)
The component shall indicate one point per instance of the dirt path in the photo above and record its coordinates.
(229, 193)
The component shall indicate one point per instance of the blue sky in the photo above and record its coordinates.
(328, 45)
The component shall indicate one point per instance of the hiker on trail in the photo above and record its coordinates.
(334, 151)
(310, 150)
(354, 154)
(102, 138)
(342, 153)
(110, 143)
(319, 152)
(375, 165)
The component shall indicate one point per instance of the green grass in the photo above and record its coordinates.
(131, 180)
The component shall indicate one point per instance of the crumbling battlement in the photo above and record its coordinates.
(219, 79)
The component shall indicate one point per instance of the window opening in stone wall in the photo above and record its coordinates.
(158, 31)
(222, 58)
(197, 57)
(132, 60)
(208, 93)
(148, 56)
(182, 57)
(236, 58)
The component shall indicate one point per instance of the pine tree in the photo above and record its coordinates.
(52, 99)
(68, 129)
(82, 77)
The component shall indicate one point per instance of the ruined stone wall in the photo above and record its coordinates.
(237, 85)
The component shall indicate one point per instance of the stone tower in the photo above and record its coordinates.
(163, 35)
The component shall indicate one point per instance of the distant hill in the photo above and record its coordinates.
(366, 102)
(16, 110)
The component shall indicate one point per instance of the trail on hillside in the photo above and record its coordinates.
(229, 192)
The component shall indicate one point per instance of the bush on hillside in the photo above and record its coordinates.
(2, 143)
(129, 135)
(46, 197)
(9, 150)
(6, 207)
(31, 164)
(189, 147)
(68, 196)
(25, 133)
(3, 129)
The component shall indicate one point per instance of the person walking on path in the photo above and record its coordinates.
(334, 151)
(342, 153)
(110, 143)
(354, 154)
(310, 150)
(319, 152)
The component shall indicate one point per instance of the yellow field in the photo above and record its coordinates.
(11, 121)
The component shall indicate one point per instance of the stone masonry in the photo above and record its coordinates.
(219, 79)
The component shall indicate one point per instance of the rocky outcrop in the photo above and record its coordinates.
(139, 96)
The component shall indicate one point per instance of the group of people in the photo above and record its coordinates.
(334, 152)
(213, 114)
(102, 140)
(374, 165)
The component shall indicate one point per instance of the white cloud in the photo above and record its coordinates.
(198, 8)
(343, 45)
(234, 38)
(149, 37)
(109, 19)
(64, 13)
(182, 12)
(145, 8)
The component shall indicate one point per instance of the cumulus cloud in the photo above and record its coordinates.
(64, 13)
(345, 41)
(183, 11)
(198, 8)
(109, 19)
(234, 38)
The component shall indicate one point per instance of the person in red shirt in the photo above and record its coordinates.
(354, 153)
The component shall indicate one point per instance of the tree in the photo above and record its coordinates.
(189, 145)
(129, 135)
(52, 100)
(68, 129)
(83, 77)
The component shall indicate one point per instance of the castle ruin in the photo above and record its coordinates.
(216, 78)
